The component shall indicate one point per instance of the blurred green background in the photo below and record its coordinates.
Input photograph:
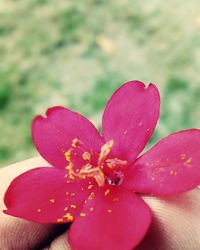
(76, 53)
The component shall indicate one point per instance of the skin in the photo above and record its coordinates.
(175, 225)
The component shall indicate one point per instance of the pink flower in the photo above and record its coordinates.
(96, 181)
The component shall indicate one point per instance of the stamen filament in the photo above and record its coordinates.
(105, 150)
(88, 170)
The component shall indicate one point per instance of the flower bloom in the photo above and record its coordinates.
(96, 180)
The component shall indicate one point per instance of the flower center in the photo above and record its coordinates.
(116, 180)
(97, 171)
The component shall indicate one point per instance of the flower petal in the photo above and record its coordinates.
(130, 118)
(54, 134)
(171, 166)
(44, 195)
(115, 220)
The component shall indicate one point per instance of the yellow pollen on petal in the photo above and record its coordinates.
(52, 200)
(82, 214)
(66, 208)
(183, 156)
(174, 173)
(188, 162)
(59, 220)
(68, 216)
(116, 199)
(91, 209)
(90, 186)
(39, 210)
(91, 196)
(73, 206)
(107, 192)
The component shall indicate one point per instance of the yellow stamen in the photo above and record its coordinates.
(105, 150)
(86, 156)
(112, 163)
(88, 170)
(68, 155)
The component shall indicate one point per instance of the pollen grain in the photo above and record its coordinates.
(107, 192)
(82, 214)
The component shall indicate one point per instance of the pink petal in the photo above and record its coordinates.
(171, 166)
(115, 220)
(54, 134)
(130, 118)
(44, 195)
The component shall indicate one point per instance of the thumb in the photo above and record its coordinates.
(16, 233)
(176, 223)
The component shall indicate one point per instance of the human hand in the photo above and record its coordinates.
(175, 225)
(19, 234)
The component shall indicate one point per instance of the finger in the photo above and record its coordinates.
(16, 233)
(175, 226)
(176, 223)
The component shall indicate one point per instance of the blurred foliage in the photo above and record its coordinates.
(76, 53)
